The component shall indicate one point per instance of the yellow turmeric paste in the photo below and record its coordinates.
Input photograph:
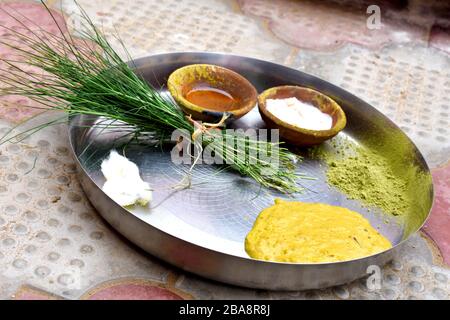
(312, 233)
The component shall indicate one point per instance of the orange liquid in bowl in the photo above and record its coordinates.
(212, 98)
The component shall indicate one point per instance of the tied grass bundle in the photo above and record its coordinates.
(88, 77)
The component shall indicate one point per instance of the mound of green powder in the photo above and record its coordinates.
(366, 176)
(382, 173)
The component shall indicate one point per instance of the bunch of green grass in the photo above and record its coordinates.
(88, 77)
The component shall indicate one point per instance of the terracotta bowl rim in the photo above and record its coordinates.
(336, 128)
(174, 89)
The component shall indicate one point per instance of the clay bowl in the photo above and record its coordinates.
(184, 80)
(296, 135)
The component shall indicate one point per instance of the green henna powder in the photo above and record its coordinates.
(381, 170)
(368, 177)
(377, 178)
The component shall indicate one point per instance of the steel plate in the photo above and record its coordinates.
(202, 229)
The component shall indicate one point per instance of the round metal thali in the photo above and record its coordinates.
(202, 229)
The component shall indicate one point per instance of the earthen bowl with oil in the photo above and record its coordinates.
(297, 135)
(207, 91)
